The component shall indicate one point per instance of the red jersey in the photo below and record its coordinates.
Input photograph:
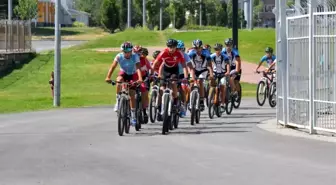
(170, 59)
(144, 66)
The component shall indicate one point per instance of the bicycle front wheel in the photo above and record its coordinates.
(193, 107)
(121, 115)
(237, 100)
(152, 106)
(165, 117)
(261, 93)
(211, 107)
(272, 97)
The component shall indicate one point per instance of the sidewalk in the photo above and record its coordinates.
(272, 126)
(248, 69)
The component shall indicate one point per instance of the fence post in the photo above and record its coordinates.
(283, 27)
(312, 116)
(6, 35)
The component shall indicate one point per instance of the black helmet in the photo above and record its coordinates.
(269, 50)
(228, 41)
(197, 43)
(144, 51)
(156, 53)
(218, 46)
(126, 46)
(171, 43)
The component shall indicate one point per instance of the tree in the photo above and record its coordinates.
(229, 13)
(26, 9)
(110, 15)
(92, 7)
(256, 10)
(177, 14)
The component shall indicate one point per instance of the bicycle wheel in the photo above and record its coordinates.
(193, 107)
(176, 115)
(165, 117)
(127, 121)
(152, 106)
(237, 100)
(272, 96)
(138, 113)
(121, 116)
(211, 109)
(229, 101)
(261, 93)
(206, 93)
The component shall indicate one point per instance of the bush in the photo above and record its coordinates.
(109, 15)
(78, 24)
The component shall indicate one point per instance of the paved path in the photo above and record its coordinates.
(81, 146)
(44, 45)
(248, 76)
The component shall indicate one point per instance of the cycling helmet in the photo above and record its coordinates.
(180, 44)
(197, 43)
(143, 51)
(269, 50)
(137, 48)
(228, 41)
(171, 43)
(156, 53)
(218, 46)
(126, 46)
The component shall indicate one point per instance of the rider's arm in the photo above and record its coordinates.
(227, 65)
(238, 63)
(261, 61)
(113, 66)
(138, 67)
(272, 65)
(149, 67)
(209, 66)
(157, 60)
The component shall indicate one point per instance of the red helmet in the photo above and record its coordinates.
(137, 48)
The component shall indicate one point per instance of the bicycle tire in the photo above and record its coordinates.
(261, 84)
(211, 108)
(127, 124)
(237, 100)
(121, 116)
(193, 108)
(152, 107)
(272, 94)
(138, 112)
(229, 101)
(165, 117)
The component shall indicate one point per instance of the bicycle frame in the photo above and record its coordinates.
(167, 93)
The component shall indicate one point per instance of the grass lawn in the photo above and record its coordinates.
(83, 74)
(68, 33)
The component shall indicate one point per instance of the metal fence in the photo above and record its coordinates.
(15, 36)
(306, 47)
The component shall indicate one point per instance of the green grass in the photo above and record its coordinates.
(83, 74)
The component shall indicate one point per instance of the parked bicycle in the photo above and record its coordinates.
(264, 88)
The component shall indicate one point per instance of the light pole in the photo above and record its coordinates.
(200, 14)
(143, 13)
(57, 57)
(129, 13)
(10, 10)
(160, 14)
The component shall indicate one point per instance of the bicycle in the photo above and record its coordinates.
(273, 96)
(263, 88)
(124, 111)
(195, 108)
(167, 109)
(154, 100)
(237, 99)
(229, 98)
(214, 98)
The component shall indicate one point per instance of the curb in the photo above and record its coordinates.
(272, 126)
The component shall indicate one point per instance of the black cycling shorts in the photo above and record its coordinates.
(169, 72)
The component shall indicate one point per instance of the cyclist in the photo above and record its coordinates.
(207, 47)
(136, 49)
(146, 71)
(185, 88)
(235, 65)
(129, 71)
(269, 58)
(201, 62)
(168, 61)
(221, 67)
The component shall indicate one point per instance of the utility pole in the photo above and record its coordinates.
(10, 10)
(57, 57)
(143, 13)
(235, 23)
(200, 13)
(128, 13)
(160, 14)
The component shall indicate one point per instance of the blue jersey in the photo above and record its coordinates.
(233, 49)
(219, 62)
(199, 61)
(269, 61)
(127, 65)
(232, 58)
(187, 60)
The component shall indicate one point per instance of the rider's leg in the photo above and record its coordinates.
(223, 90)
(119, 79)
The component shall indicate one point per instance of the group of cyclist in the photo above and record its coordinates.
(175, 62)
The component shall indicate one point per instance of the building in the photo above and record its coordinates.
(266, 16)
(68, 14)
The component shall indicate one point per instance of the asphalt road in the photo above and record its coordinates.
(44, 45)
(81, 146)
